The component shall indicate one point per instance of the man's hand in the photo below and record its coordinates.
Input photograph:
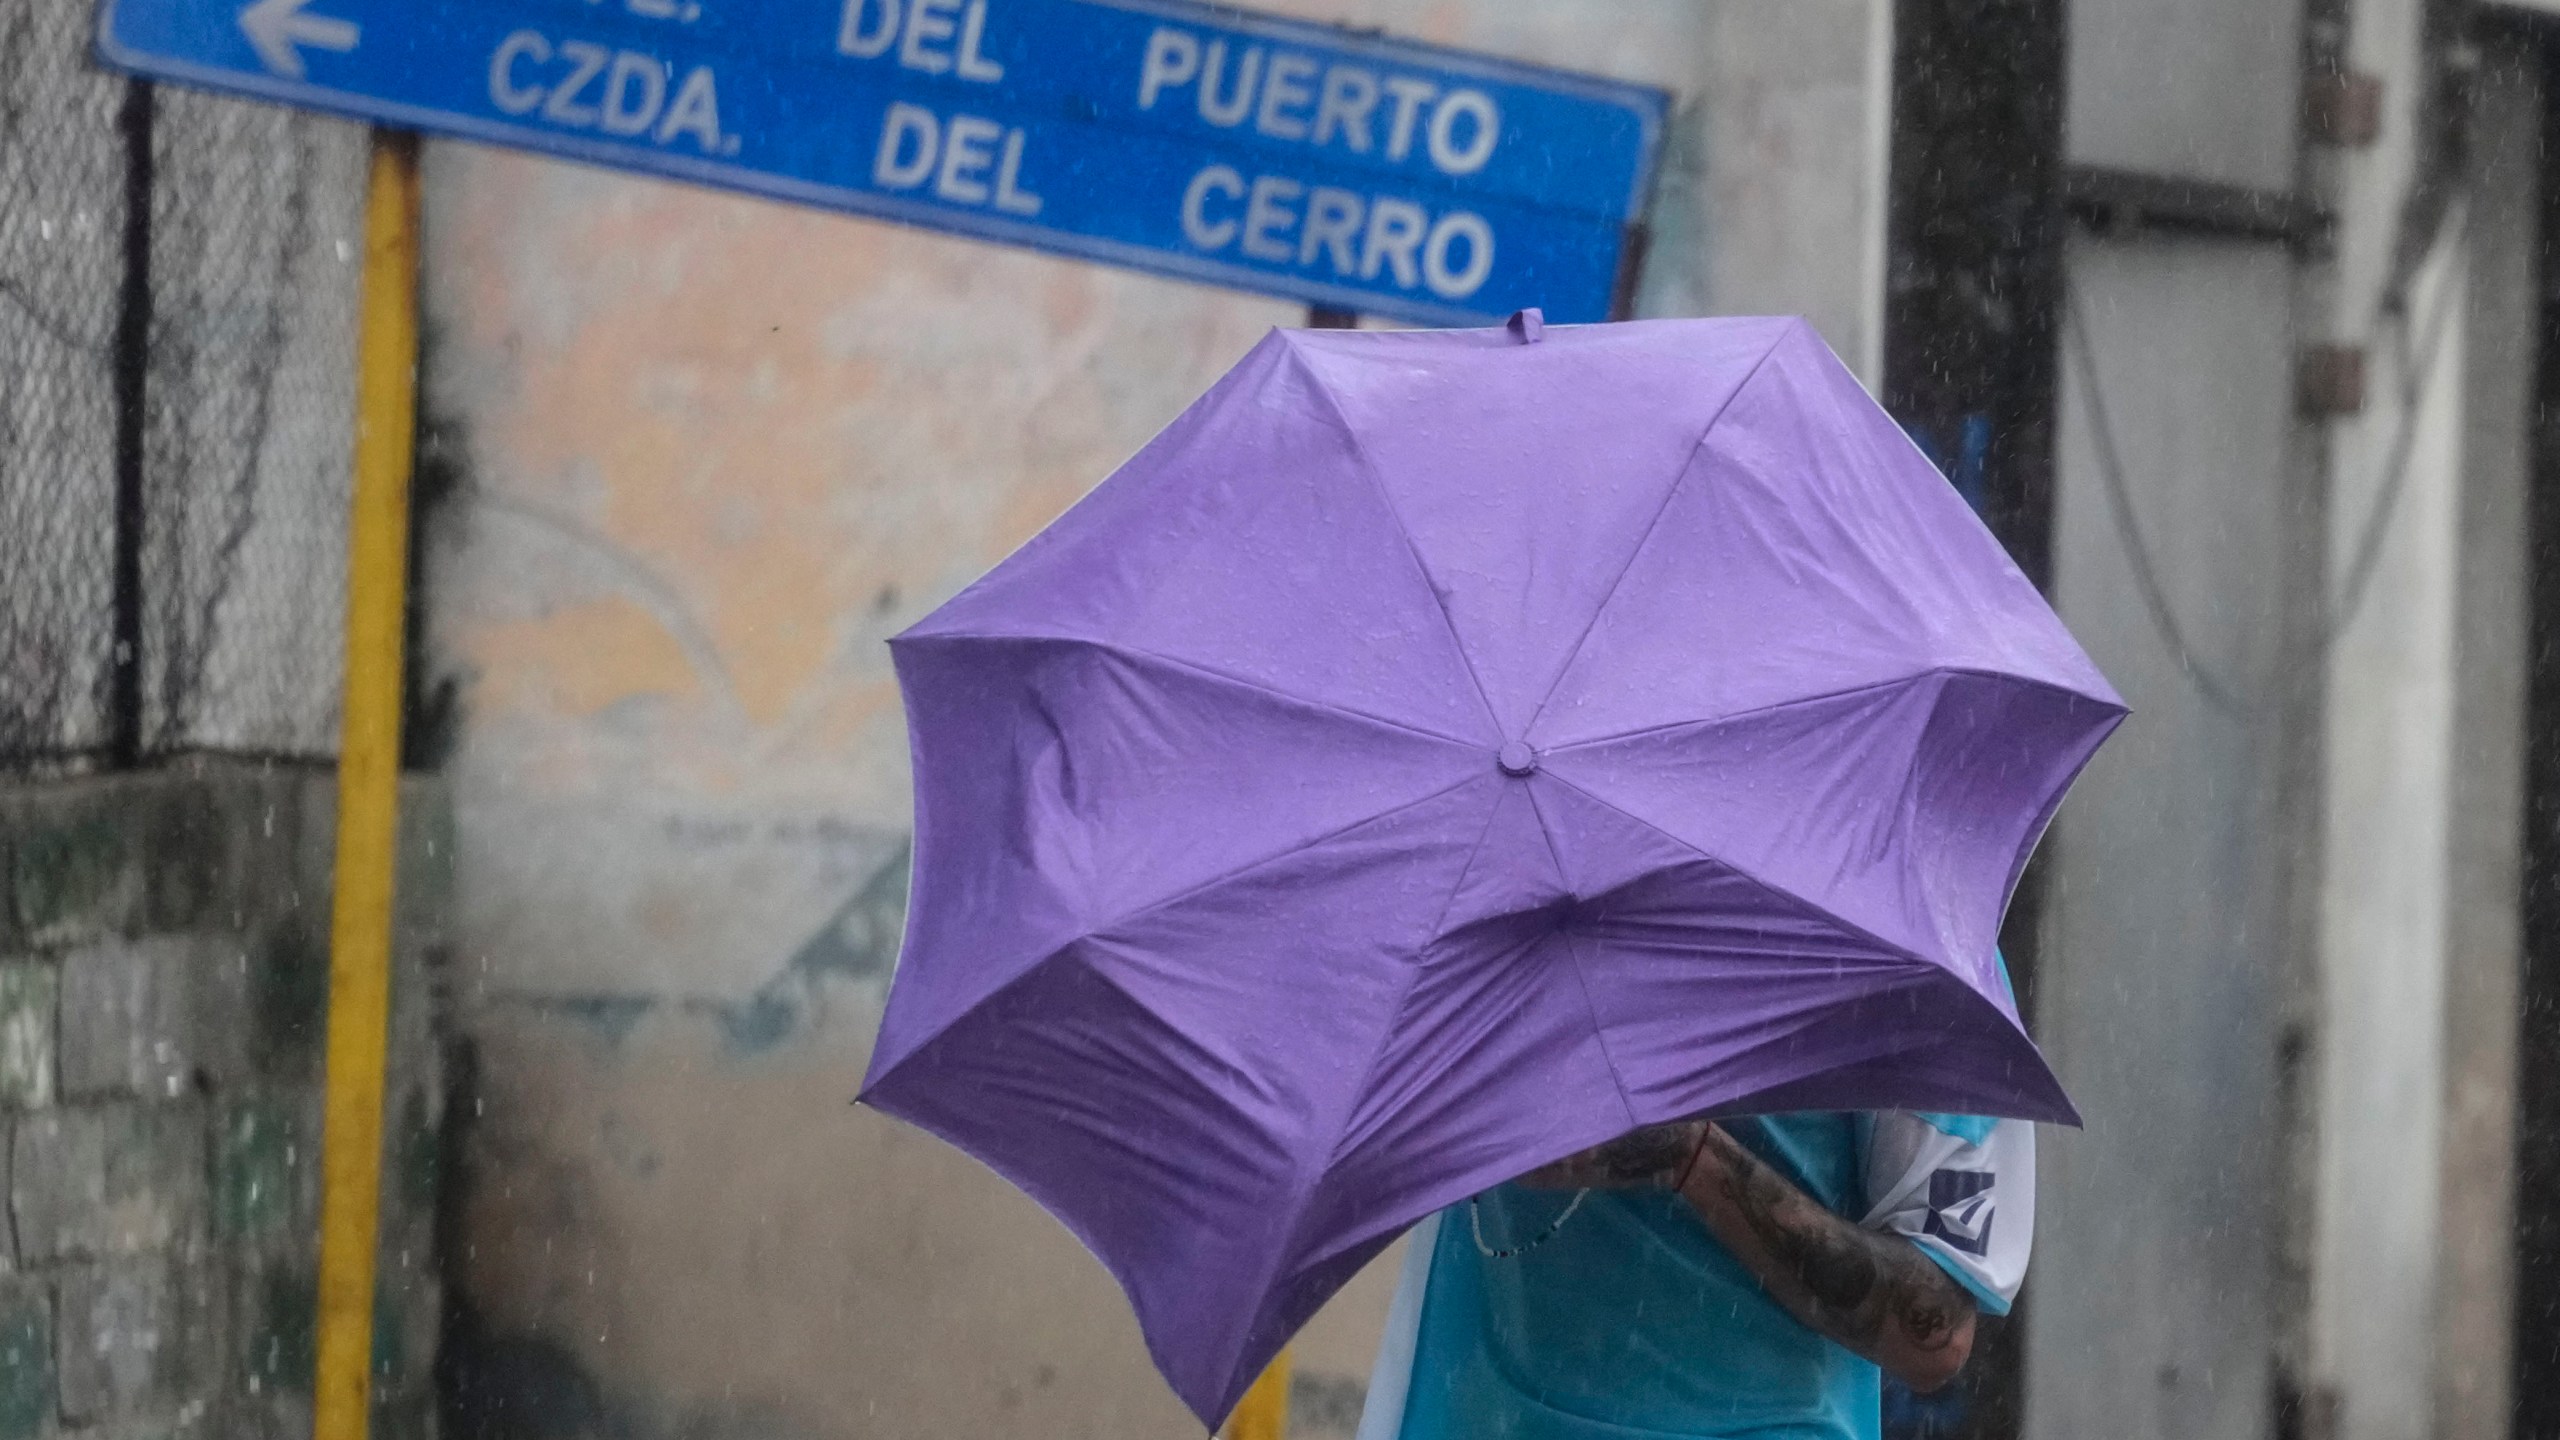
(1876, 1294)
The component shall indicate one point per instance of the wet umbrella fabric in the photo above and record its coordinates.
(1438, 752)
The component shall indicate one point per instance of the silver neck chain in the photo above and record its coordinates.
(1475, 1224)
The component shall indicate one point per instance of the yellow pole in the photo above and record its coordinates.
(368, 791)
(1263, 1413)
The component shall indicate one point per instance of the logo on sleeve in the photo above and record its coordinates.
(1960, 1209)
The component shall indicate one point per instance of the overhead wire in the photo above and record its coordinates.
(2434, 215)
(2216, 691)
(2415, 368)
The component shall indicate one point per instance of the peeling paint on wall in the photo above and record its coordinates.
(856, 948)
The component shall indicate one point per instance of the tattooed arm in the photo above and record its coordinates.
(1873, 1293)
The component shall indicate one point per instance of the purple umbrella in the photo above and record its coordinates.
(1438, 752)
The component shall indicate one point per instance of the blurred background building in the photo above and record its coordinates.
(2230, 316)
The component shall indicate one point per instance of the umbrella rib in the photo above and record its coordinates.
(1304, 1185)
(1050, 952)
(1413, 977)
(1256, 863)
(1932, 672)
(1582, 975)
(1378, 1052)
(1441, 918)
(1900, 951)
(1303, 1191)
(1369, 468)
(1211, 672)
(1669, 493)
(1754, 712)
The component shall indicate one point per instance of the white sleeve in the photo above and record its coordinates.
(1961, 1188)
(1391, 1378)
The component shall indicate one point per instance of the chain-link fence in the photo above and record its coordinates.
(177, 331)
(62, 224)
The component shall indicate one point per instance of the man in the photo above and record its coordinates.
(1711, 1281)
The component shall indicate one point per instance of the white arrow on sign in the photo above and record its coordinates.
(278, 28)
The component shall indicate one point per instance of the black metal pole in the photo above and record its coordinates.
(131, 364)
(2536, 1359)
(1974, 229)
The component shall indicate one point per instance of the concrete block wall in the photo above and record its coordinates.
(163, 993)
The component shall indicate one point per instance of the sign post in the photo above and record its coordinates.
(1343, 170)
(368, 795)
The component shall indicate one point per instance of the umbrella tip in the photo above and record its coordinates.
(1528, 326)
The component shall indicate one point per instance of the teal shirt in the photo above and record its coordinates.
(1632, 1321)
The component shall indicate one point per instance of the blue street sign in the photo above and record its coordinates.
(1325, 165)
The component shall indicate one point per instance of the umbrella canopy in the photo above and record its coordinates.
(1439, 752)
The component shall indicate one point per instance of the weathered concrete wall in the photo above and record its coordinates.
(2160, 984)
(163, 987)
(697, 457)
(2473, 1377)
(2167, 963)
(2411, 1311)
(2388, 717)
